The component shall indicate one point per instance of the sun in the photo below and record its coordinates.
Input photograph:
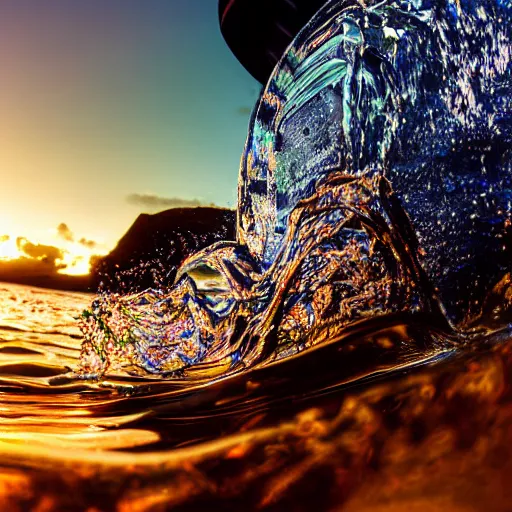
(9, 248)
(77, 261)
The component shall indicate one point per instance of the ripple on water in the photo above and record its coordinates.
(318, 428)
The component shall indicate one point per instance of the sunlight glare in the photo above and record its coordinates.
(9, 249)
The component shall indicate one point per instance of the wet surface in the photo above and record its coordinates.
(342, 426)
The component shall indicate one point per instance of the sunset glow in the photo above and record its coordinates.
(66, 257)
(106, 114)
(102, 102)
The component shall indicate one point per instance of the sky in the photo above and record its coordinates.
(111, 108)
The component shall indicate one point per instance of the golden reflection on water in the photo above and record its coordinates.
(299, 435)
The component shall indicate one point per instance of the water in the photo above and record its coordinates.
(364, 423)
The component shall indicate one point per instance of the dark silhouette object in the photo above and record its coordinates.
(258, 32)
(148, 255)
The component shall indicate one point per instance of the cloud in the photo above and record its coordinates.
(41, 265)
(244, 111)
(155, 202)
(64, 232)
(47, 254)
(90, 244)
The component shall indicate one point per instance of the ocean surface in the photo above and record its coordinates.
(389, 418)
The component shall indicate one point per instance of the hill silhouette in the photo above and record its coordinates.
(151, 251)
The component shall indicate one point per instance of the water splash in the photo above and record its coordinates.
(376, 179)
